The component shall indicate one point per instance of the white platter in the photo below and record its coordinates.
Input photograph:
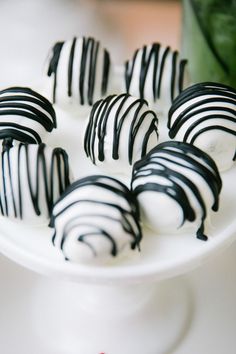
(161, 256)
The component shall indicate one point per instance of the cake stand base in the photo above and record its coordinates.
(90, 319)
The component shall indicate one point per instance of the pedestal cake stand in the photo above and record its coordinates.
(139, 304)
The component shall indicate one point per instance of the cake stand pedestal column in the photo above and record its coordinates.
(150, 318)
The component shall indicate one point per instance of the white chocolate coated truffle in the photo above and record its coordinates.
(79, 71)
(120, 130)
(205, 115)
(155, 73)
(96, 220)
(25, 115)
(176, 185)
(32, 179)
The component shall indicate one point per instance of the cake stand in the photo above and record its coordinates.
(141, 304)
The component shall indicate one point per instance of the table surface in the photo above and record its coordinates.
(28, 29)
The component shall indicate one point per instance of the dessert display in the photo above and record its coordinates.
(25, 115)
(95, 219)
(156, 73)
(204, 114)
(32, 178)
(78, 72)
(176, 185)
(120, 130)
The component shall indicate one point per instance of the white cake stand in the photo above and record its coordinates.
(138, 305)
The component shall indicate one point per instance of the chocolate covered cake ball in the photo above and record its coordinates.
(155, 73)
(205, 115)
(120, 130)
(96, 219)
(78, 71)
(176, 185)
(32, 177)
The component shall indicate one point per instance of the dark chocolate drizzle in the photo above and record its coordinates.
(127, 217)
(151, 57)
(25, 103)
(97, 126)
(58, 173)
(88, 69)
(52, 67)
(189, 157)
(222, 100)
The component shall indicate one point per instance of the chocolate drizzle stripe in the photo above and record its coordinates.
(25, 110)
(193, 110)
(94, 202)
(58, 157)
(195, 166)
(27, 91)
(90, 131)
(201, 89)
(30, 99)
(182, 66)
(19, 133)
(162, 64)
(103, 182)
(19, 161)
(3, 195)
(101, 114)
(173, 74)
(200, 103)
(129, 69)
(215, 127)
(53, 65)
(92, 70)
(95, 230)
(197, 121)
(82, 70)
(88, 63)
(196, 107)
(19, 108)
(70, 67)
(163, 161)
(145, 63)
(149, 58)
(128, 216)
(204, 97)
(106, 72)
(118, 122)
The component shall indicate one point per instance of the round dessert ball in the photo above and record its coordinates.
(205, 115)
(96, 220)
(79, 72)
(176, 185)
(156, 73)
(120, 130)
(25, 115)
(32, 177)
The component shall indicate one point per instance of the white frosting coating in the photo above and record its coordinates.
(32, 177)
(176, 185)
(78, 72)
(155, 73)
(25, 115)
(96, 220)
(205, 115)
(119, 131)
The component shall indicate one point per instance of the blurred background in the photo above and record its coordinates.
(29, 28)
